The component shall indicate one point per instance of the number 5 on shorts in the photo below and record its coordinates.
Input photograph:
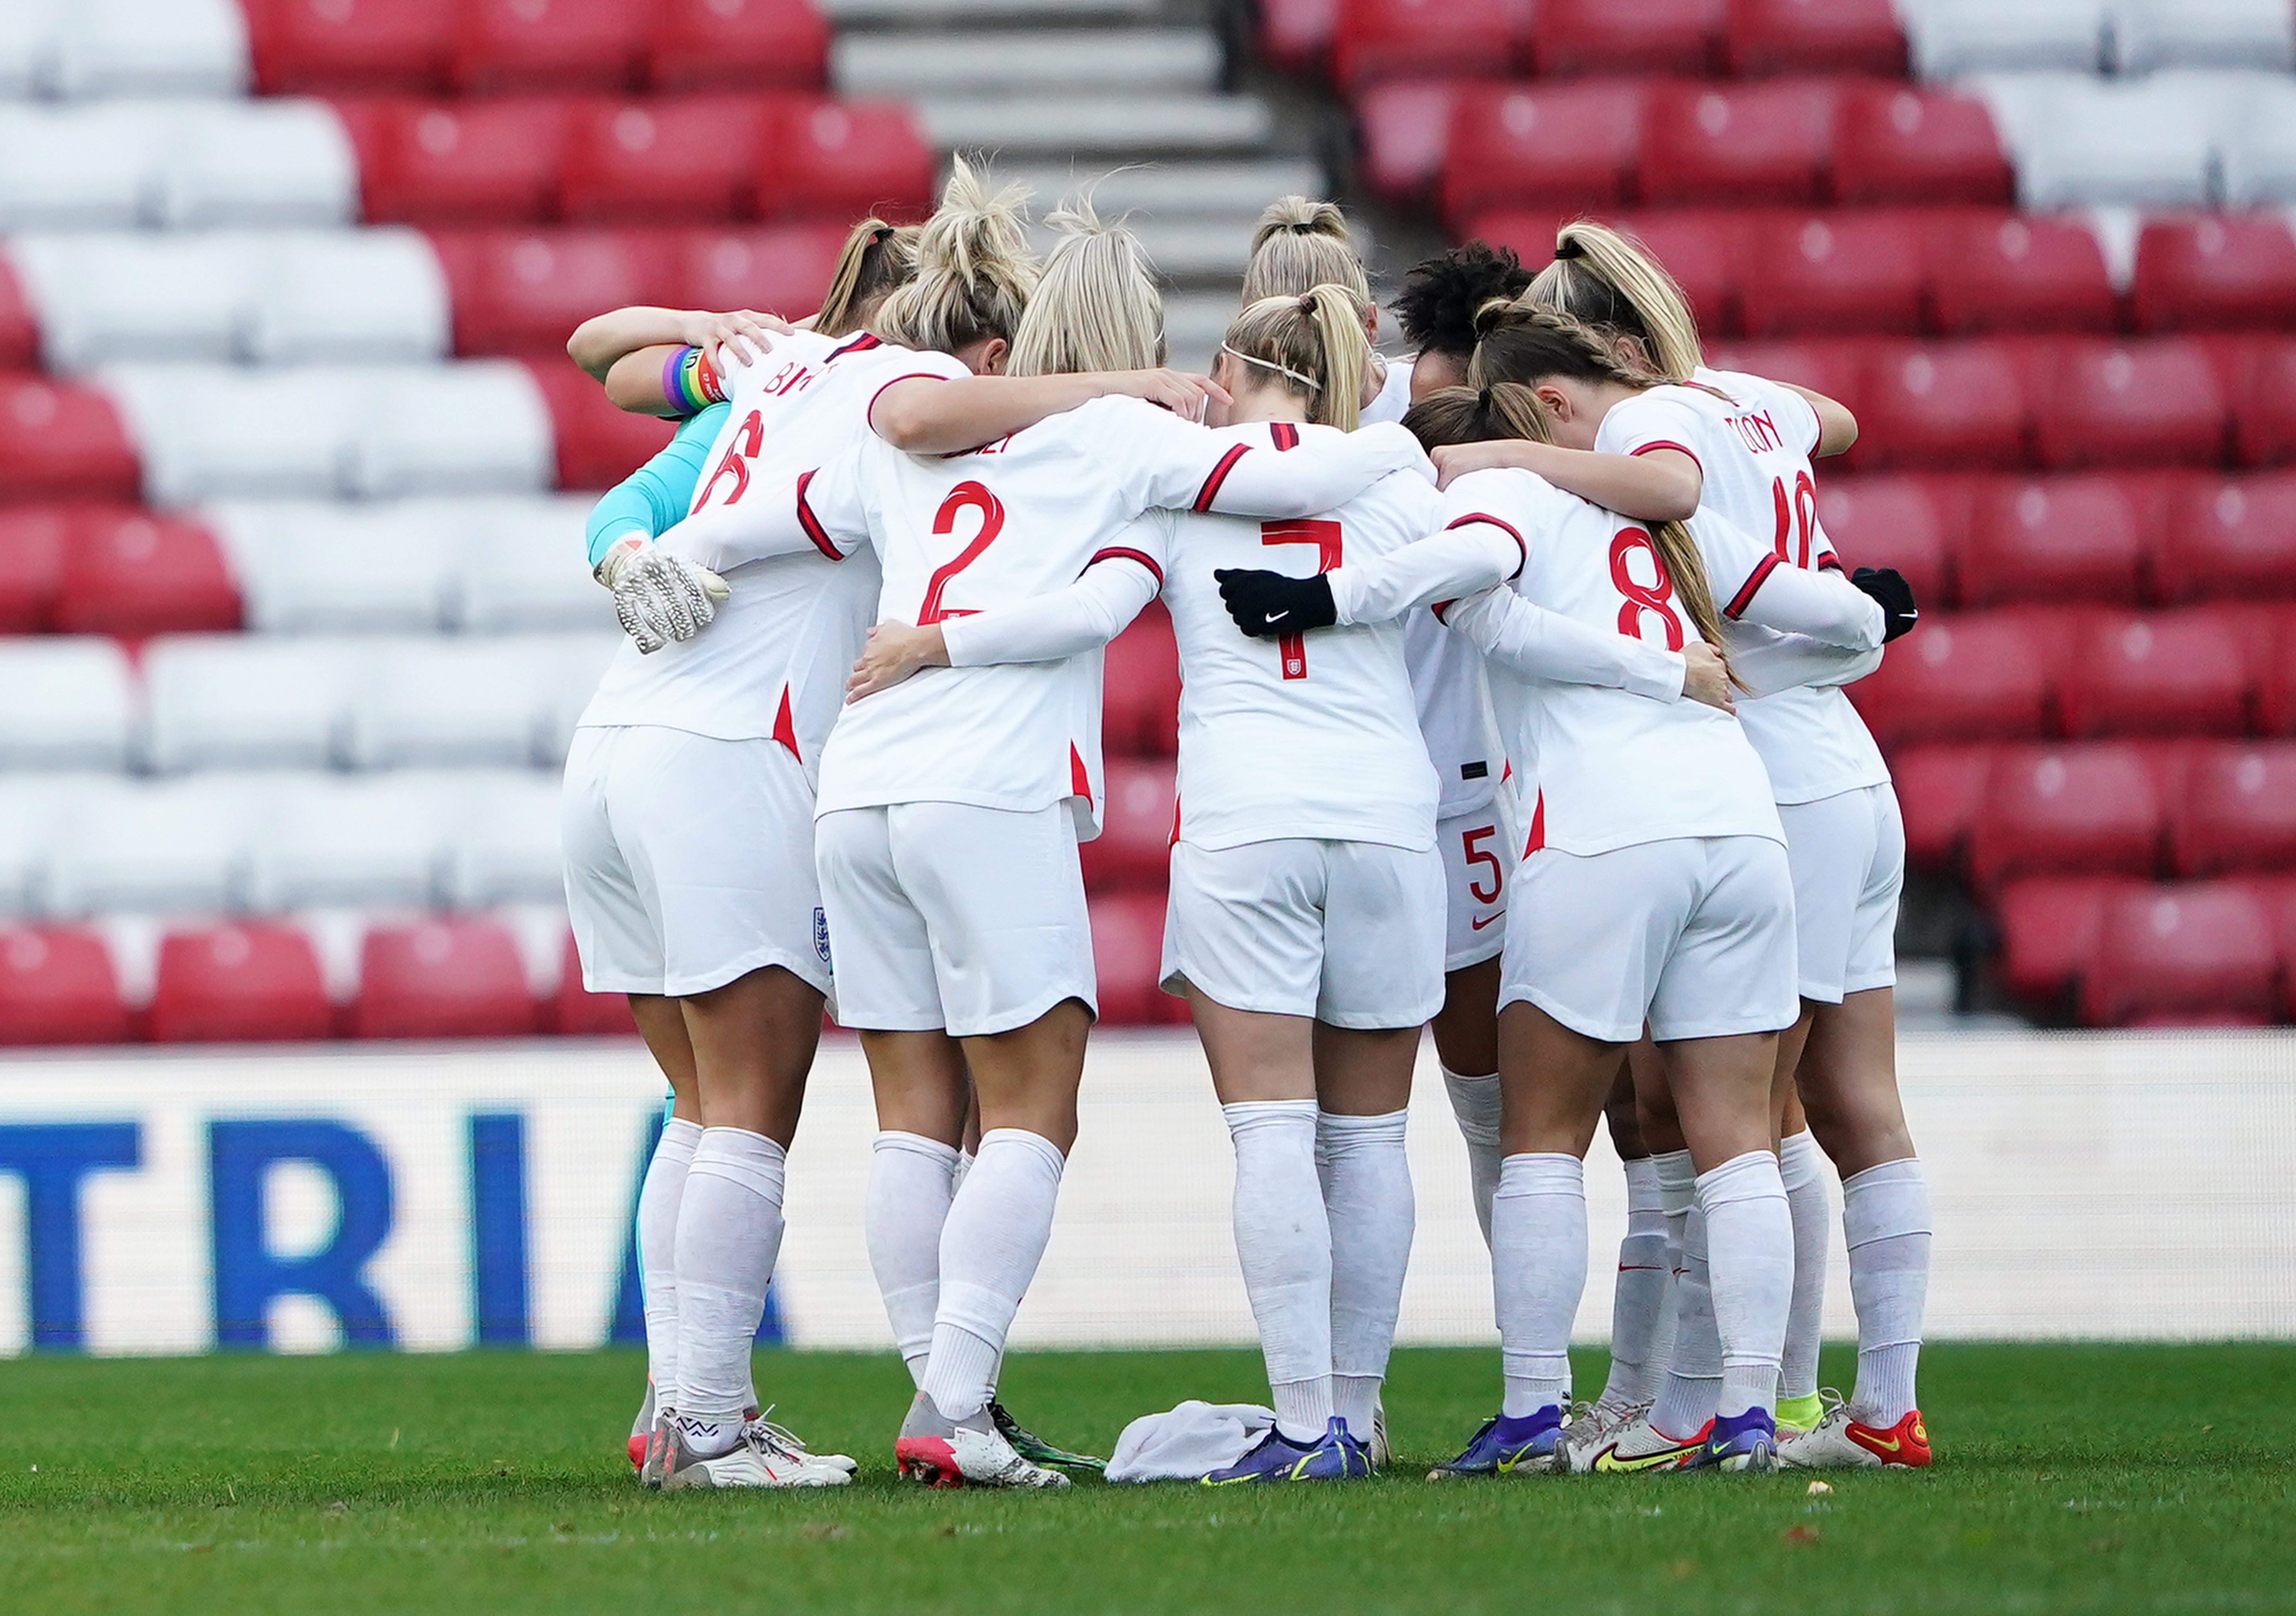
(1470, 841)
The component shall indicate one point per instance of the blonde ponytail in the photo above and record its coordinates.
(1096, 306)
(1300, 243)
(974, 271)
(1678, 552)
(1523, 341)
(1313, 345)
(1610, 281)
(876, 257)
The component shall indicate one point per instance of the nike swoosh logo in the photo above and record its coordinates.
(1609, 1460)
(1486, 920)
(1878, 1445)
(1275, 617)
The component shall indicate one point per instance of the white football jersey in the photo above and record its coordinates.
(1612, 769)
(1019, 518)
(1313, 736)
(1447, 679)
(1753, 448)
(774, 660)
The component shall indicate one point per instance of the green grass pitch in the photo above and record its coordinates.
(2091, 1479)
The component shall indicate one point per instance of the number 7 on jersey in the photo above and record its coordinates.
(1325, 536)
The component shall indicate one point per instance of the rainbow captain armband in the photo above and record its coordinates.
(690, 383)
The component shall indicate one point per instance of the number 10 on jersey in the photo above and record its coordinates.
(1325, 536)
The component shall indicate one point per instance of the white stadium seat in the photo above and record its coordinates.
(478, 701)
(259, 162)
(211, 431)
(136, 295)
(508, 848)
(168, 846)
(2256, 139)
(477, 427)
(2087, 142)
(350, 839)
(35, 809)
(149, 47)
(232, 700)
(93, 168)
(1946, 37)
(71, 704)
(520, 564)
(306, 567)
(330, 295)
(2253, 34)
(27, 47)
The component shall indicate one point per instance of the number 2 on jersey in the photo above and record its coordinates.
(964, 496)
(1651, 597)
(1325, 536)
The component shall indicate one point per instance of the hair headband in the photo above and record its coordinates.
(1570, 248)
(1308, 383)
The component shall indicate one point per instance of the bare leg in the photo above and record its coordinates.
(662, 1025)
(1848, 1082)
(753, 1043)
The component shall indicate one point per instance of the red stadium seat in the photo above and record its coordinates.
(1833, 272)
(524, 292)
(1957, 406)
(57, 986)
(2162, 673)
(1895, 522)
(1814, 36)
(134, 573)
(1833, 367)
(20, 328)
(1704, 250)
(2168, 955)
(2071, 539)
(2237, 810)
(674, 159)
(777, 268)
(578, 1012)
(2049, 926)
(1895, 143)
(1715, 145)
(302, 46)
(549, 45)
(478, 162)
(239, 984)
(2016, 272)
(2272, 661)
(1296, 34)
(1134, 849)
(62, 441)
(1128, 955)
(2264, 403)
(1563, 146)
(1140, 689)
(1571, 36)
(2156, 403)
(841, 160)
(597, 444)
(2231, 271)
(2234, 536)
(2092, 808)
(737, 44)
(442, 979)
(34, 540)
(1969, 676)
(1939, 790)
(1404, 130)
(1423, 39)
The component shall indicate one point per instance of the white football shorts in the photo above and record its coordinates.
(1348, 932)
(948, 915)
(1480, 852)
(689, 861)
(1694, 935)
(1847, 852)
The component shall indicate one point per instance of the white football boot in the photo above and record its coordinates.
(1625, 1444)
(759, 1457)
(941, 1452)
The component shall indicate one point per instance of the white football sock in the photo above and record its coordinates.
(1750, 1257)
(729, 1232)
(989, 1248)
(1368, 1202)
(1538, 1268)
(1475, 1102)
(1885, 1213)
(910, 1187)
(1284, 1245)
(1692, 1379)
(1645, 1283)
(1801, 1167)
(658, 1199)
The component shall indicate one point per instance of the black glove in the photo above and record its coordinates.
(1889, 590)
(1268, 605)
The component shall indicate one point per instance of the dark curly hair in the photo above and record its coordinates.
(1437, 303)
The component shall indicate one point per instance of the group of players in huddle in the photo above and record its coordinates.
(1510, 708)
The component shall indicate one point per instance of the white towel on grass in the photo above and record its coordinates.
(1187, 1442)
